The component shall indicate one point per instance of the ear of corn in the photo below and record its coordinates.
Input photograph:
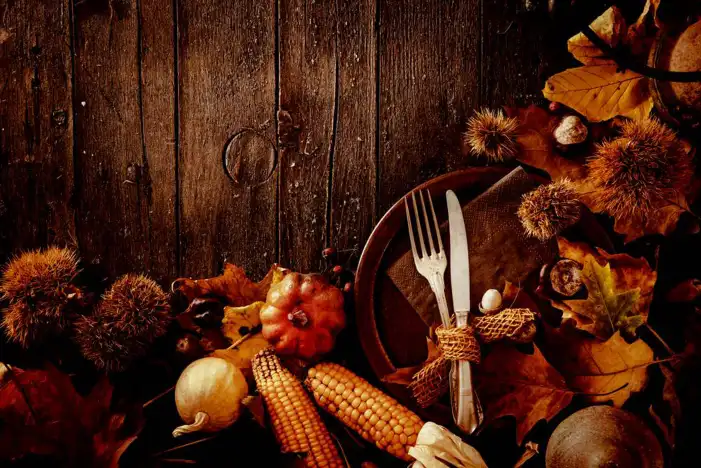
(377, 417)
(296, 423)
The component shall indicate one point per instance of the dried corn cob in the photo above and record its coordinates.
(377, 417)
(296, 423)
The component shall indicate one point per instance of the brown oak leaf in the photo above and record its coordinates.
(627, 273)
(42, 414)
(603, 371)
(536, 144)
(232, 287)
(524, 386)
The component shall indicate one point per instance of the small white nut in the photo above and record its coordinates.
(491, 301)
(570, 131)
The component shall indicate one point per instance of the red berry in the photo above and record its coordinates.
(347, 287)
(554, 106)
(328, 252)
(337, 269)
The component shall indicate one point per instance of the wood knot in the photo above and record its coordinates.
(249, 158)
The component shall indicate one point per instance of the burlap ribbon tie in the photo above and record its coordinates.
(461, 344)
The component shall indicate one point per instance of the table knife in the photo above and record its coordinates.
(466, 408)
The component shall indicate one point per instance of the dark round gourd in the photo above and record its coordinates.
(603, 437)
(678, 102)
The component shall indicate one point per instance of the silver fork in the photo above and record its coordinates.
(432, 267)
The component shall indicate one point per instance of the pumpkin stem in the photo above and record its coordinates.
(201, 419)
(298, 318)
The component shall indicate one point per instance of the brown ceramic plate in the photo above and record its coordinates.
(391, 332)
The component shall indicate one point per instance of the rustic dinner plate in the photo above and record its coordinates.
(391, 332)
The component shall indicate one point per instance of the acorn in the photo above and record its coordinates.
(132, 314)
(38, 286)
(600, 436)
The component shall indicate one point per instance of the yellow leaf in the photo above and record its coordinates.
(238, 322)
(599, 92)
(610, 26)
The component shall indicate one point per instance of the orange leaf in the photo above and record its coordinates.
(524, 386)
(603, 370)
(601, 92)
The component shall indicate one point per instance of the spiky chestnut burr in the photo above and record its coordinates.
(640, 171)
(38, 286)
(131, 315)
(549, 209)
(490, 133)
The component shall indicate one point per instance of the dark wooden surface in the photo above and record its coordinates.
(170, 137)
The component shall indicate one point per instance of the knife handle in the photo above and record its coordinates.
(466, 407)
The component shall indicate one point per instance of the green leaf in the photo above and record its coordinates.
(605, 309)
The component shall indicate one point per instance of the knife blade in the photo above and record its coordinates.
(459, 259)
(467, 412)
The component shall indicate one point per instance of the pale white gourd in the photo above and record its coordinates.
(209, 395)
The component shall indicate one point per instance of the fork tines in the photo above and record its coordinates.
(426, 226)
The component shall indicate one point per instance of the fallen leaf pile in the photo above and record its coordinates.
(43, 416)
(222, 309)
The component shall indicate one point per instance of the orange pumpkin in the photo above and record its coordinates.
(302, 316)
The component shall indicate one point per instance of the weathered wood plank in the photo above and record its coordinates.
(112, 185)
(227, 156)
(157, 54)
(513, 46)
(354, 160)
(306, 123)
(36, 127)
(429, 69)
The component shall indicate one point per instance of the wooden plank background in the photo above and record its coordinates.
(172, 136)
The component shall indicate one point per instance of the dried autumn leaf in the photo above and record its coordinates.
(686, 291)
(667, 411)
(233, 286)
(641, 34)
(237, 323)
(43, 415)
(662, 220)
(536, 144)
(606, 309)
(601, 92)
(603, 371)
(627, 272)
(524, 386)
(610, 27)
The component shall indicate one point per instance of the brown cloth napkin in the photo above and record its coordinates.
(499, 249)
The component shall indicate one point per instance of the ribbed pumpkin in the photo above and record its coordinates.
(302, 316)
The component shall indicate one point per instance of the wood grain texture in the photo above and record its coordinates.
(112, 182)
(353, 183)
(513, 47)
(227, 105)
(306, 123)
(428, 72)
(158, 117)
(36, 127)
